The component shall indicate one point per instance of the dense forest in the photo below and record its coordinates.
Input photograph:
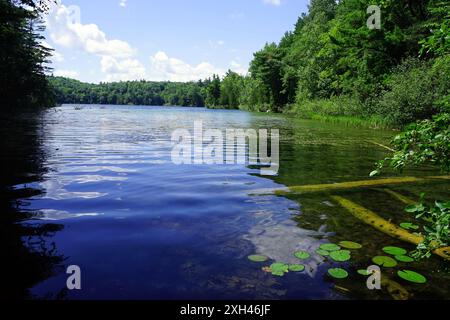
(331, 64)
(130, 92)
(23, 59)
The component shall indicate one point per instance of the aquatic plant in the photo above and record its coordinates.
(302, 255)
(350, 245)
(436, 231)
(340, 255)
(338, 273)
(257, 258)
(403, 258)
(279, 269)
(384, 261)
(409, 226)
(323, 252)
(411, 276)
(330, 247)
(296, 267)
(395, 251)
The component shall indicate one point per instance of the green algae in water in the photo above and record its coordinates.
(350, 245)
(257, 258)
(384, 261)
(412, 276)
(340, 255)
(302, 255)
(338, 273)
(296, 267)
(395, 251)
(330, 247)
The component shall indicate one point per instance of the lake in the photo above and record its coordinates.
(96, 187)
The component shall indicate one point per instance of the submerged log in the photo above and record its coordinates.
(356, 184)
(385, 226)
(400, 197)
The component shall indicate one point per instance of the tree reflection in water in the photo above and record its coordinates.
(28, 254)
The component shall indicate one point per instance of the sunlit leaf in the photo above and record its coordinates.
(330, 247)
(350, 245)
(302, 255)
(323, 252)
(340, 255)
(395, 251)
(338, 273)
(384, 261)
(403, 258)
(411, 276)
(296, 267)
(257, 258)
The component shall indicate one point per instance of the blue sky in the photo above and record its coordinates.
(176, 40)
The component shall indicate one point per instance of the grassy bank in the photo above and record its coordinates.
(343, 110)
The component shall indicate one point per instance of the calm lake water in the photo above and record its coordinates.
(96, 188)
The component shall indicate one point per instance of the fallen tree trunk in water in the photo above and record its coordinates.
(357, 184)
(385, 226)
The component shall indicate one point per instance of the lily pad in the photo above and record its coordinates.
(395, 251)
(384, 261)
(302, 255)
(278, 269)
(323, 252)
(257, 258)
(404, 258)
(296, 267)
(340, 256)
(350, 245)
(409, 226)
(411, 276)
(338, 273)
(330, 247)
(363, 272)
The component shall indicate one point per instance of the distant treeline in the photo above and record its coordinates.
(331, 64)
(129, 92)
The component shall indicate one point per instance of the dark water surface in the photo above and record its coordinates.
(96, 188)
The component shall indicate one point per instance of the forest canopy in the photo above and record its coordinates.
(23, 58)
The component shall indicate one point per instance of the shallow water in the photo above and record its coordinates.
(141, 227)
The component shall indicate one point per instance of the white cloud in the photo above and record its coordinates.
(117, 58)
(122, 70)
(273, 2)
(123, 3)
(238, 68)
(163, 68)
(67, 31)
(66, 73)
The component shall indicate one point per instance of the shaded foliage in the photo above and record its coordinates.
(22, 56)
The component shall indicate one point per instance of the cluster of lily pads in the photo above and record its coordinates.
(399, 254)
(340, 253)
